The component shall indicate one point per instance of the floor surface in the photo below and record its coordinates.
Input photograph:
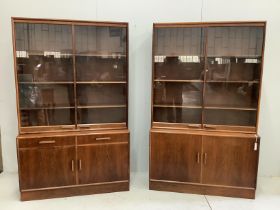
(140, 198)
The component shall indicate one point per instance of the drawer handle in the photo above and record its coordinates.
(194, 126)
(102, 138)
(209, 126)
(47, 142)
(84, 126)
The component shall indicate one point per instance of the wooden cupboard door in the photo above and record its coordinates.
(46, 167)
(103, 162)
(229, 161)
(175, 157)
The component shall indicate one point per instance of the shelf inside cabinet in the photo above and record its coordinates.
(228, 81)
(105, 55)
(47, 82)
(178, 106)
(176, 80)
(231, 108)
(102, 106)
(42, 108)
(101, 82)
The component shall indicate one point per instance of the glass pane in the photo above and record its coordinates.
(178, 41)
(45, 95)
(177, 115)
(45, 74)
(101, 68)
(178, 54)
(234, 69)
(236, 95)
(101, 115)
(235, 41)
(46, 117)
(100, 40)
(178, 93)
(230, 117)
(101, 94)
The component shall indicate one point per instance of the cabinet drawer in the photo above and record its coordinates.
(46, 141)
(97, 138)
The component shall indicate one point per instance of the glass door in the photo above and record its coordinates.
(101, 75)
(234, 62)
(45, 75)
(178, 63)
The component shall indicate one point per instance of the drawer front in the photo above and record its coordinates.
(103, 138)
(46, 141)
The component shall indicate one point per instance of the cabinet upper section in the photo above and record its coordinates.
(207, 75)
(70, 74)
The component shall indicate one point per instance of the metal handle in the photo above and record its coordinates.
(256, 144)
(102, 138)
(198, 157)
(205, 158)
(209, 126)
(72, 165)
(80, 165)
(65, 127)
(84, 126)
(193, 126)
(47, 142)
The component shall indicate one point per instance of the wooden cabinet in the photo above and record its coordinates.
(103, 163)
(205, 105)
(72, 102)
(46, 167)
(175, 157)
(230, 161)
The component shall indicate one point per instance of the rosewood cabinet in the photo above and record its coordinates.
(205, 105)
(72, 102)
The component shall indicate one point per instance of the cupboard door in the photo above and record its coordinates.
(230, 161)
(103, 162)
(175, 157)
(46, 167)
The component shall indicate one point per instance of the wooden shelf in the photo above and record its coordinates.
(226, 81)
(110, 55)
(46, 83)
(101, 82)
(102, 106)
(170, 56)
(40, 108)
(178, 106)
(171, 80)
(231, 108)
(234, 56)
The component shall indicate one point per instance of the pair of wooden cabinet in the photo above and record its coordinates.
(72, 96)
(205, 105)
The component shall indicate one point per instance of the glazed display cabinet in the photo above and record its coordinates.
(205, 104)
(72, 103)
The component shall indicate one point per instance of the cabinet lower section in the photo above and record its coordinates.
(66, 164)
(204, 162)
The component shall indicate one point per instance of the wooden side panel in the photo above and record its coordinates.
(46, 167)
(229, 161)
(103, 162)
(175, 157)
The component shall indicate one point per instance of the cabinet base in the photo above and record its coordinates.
(182, 187)
(68, 191)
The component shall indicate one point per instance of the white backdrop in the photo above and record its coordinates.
(140, 15)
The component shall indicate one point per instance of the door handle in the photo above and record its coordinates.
(198, 157)
(80, 164)
(72, 165)
(205, 158)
